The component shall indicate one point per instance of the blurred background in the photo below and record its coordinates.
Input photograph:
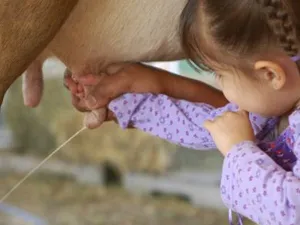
(105, 176)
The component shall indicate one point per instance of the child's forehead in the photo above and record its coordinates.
(217, 57)
(224, 64)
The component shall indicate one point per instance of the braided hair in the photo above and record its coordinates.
(232, 33)
(281, 23)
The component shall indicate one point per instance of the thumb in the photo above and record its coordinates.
(116, 68)
(243, 112)
(90, 79)
(95, 118)
(208, 124)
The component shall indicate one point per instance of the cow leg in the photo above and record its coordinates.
(26, 27)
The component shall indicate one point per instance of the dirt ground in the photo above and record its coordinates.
(64, 202)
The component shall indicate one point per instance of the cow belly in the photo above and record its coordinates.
(101, 32)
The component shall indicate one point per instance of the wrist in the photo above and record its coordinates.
(236, 145)
(160, 80)
(167, 84)
(147, 79)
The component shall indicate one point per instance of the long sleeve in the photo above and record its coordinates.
(177, 121)
(255, 186)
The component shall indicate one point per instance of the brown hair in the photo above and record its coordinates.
(228, 31)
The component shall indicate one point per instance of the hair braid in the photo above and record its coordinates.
(282, 25)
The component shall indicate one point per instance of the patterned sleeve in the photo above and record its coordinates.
(254, 186)
(177, 121)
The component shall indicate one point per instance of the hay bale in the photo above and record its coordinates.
(40, 130)
(28, 132)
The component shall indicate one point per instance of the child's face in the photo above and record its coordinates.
(259, 92)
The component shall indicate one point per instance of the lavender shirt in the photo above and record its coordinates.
(260, 180)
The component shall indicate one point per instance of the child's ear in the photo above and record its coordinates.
(271, 72)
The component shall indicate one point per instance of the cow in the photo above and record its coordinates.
(86, 35)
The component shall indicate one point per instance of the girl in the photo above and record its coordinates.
(252, 47)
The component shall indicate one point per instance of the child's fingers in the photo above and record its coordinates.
(208, 124)
(70, 84)
(79, 104)
(108, 89)
(115, 68)
(80, 88)
(90, 79)
(242, 112)
(95, 99)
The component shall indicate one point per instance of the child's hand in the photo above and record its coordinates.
(76, 90)
(127, 78)
(90, 93)
(98, 90)
(230, 129)
(93, 118)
